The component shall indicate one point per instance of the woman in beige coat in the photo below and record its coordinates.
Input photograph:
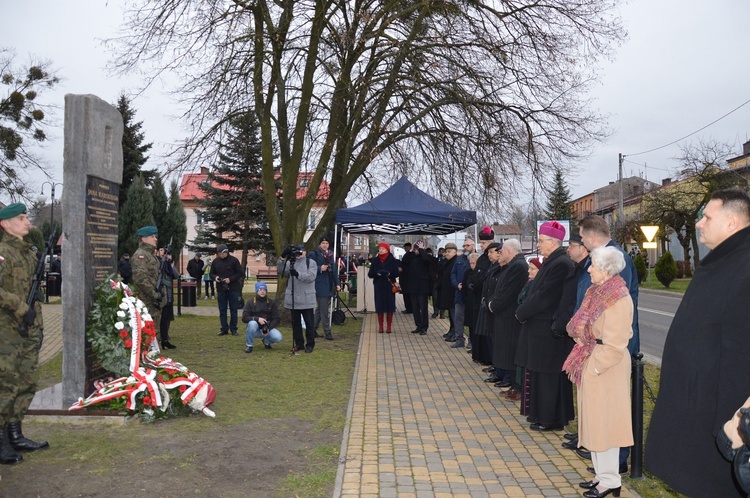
(600, 366)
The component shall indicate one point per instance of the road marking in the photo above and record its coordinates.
(649, 310)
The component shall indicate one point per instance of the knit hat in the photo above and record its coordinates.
(536, 262)
(486, 233)
(259, 286)
(384, 245)
(222, 248)
(324, 238)
(552, 229)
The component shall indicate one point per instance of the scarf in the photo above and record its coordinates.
(581, 327)
(383, 257)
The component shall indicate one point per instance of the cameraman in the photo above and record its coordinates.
(262, 317)
(326, 280)
(226, 271)
(300, 293)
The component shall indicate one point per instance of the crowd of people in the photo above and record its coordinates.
(540, 327)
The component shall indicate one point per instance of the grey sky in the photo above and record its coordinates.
(683, 66)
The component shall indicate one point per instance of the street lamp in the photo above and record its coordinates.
(42, 198)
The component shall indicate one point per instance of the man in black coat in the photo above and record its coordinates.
(226, 271)
(195, 269)
(705, 373)
(419, 286)
(403, 276)
(445, 292)
(503, 307)
(551, 393)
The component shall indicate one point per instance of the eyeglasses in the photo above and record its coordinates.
(468, 245)
(543, 240)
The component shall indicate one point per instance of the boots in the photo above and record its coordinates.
(8, 456)
(19, 442)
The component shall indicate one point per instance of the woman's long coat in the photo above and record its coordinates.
(385, 299)
(604, 415)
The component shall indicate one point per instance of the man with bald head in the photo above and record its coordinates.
(705, 373)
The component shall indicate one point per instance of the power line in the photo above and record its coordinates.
(691, 134)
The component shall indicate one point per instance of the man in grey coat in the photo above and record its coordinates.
(300, 293)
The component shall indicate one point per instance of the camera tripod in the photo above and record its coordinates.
(338, 317)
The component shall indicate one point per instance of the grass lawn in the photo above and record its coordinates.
(678, 285)
(304, 398)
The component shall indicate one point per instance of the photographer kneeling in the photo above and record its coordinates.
(262, 317)
(300, 293)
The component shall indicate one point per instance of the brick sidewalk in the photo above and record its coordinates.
(411, 432)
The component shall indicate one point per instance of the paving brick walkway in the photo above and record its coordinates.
(423, 423)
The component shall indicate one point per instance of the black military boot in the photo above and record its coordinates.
(8, 456)
(19, 442)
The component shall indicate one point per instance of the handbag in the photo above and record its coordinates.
(395, 287)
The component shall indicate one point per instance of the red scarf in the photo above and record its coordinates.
(597, 299)
(383, 257)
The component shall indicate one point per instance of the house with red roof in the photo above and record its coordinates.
(191, 194)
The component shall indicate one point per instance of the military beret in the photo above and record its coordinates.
(147, 231)
(12, 210)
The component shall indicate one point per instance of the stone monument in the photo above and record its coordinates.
(92, 174)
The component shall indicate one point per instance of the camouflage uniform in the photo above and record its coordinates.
(145, 274)
(19, 357)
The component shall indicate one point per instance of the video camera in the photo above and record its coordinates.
(293, 252)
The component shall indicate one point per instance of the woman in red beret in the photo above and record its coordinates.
(383, 272)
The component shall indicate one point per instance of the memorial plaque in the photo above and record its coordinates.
(102, 200)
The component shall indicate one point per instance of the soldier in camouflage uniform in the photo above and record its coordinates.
(146, 266)
(19, 356)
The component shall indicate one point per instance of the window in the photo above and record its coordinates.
(357, 241)
(304, 182)
(198, 217)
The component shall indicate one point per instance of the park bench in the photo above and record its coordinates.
(264, 274)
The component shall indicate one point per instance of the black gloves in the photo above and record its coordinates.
(286, 253)
(294, 272)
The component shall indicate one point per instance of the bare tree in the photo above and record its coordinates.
(702, 171)
(465, 97)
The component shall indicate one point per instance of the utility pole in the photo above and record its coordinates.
(621, 216)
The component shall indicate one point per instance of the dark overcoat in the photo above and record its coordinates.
(446, 293)
(418, 273)
(385, 299)
(486, 320)
(471, 292)
(543, 351)
(705, 374)
(504, 304)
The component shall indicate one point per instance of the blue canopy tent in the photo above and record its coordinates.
(404, 209)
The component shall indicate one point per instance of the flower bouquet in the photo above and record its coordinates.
(123, 337)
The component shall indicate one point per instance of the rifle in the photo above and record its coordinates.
(160, 279)
(30, 316)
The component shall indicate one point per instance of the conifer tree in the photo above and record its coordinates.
(133, 149)
(233, 207)
(159, 196)
(559, 198)
(138, 211)
(175, 222)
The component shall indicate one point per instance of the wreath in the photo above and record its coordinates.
(123, 337)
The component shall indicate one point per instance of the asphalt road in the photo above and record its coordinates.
(655, 313)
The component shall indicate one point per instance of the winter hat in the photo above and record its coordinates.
(536, 262)
(451, 245)
(552, 229)
(260, 285)
(385, 246)
(486, 233)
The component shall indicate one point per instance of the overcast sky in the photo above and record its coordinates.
(684, 64)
